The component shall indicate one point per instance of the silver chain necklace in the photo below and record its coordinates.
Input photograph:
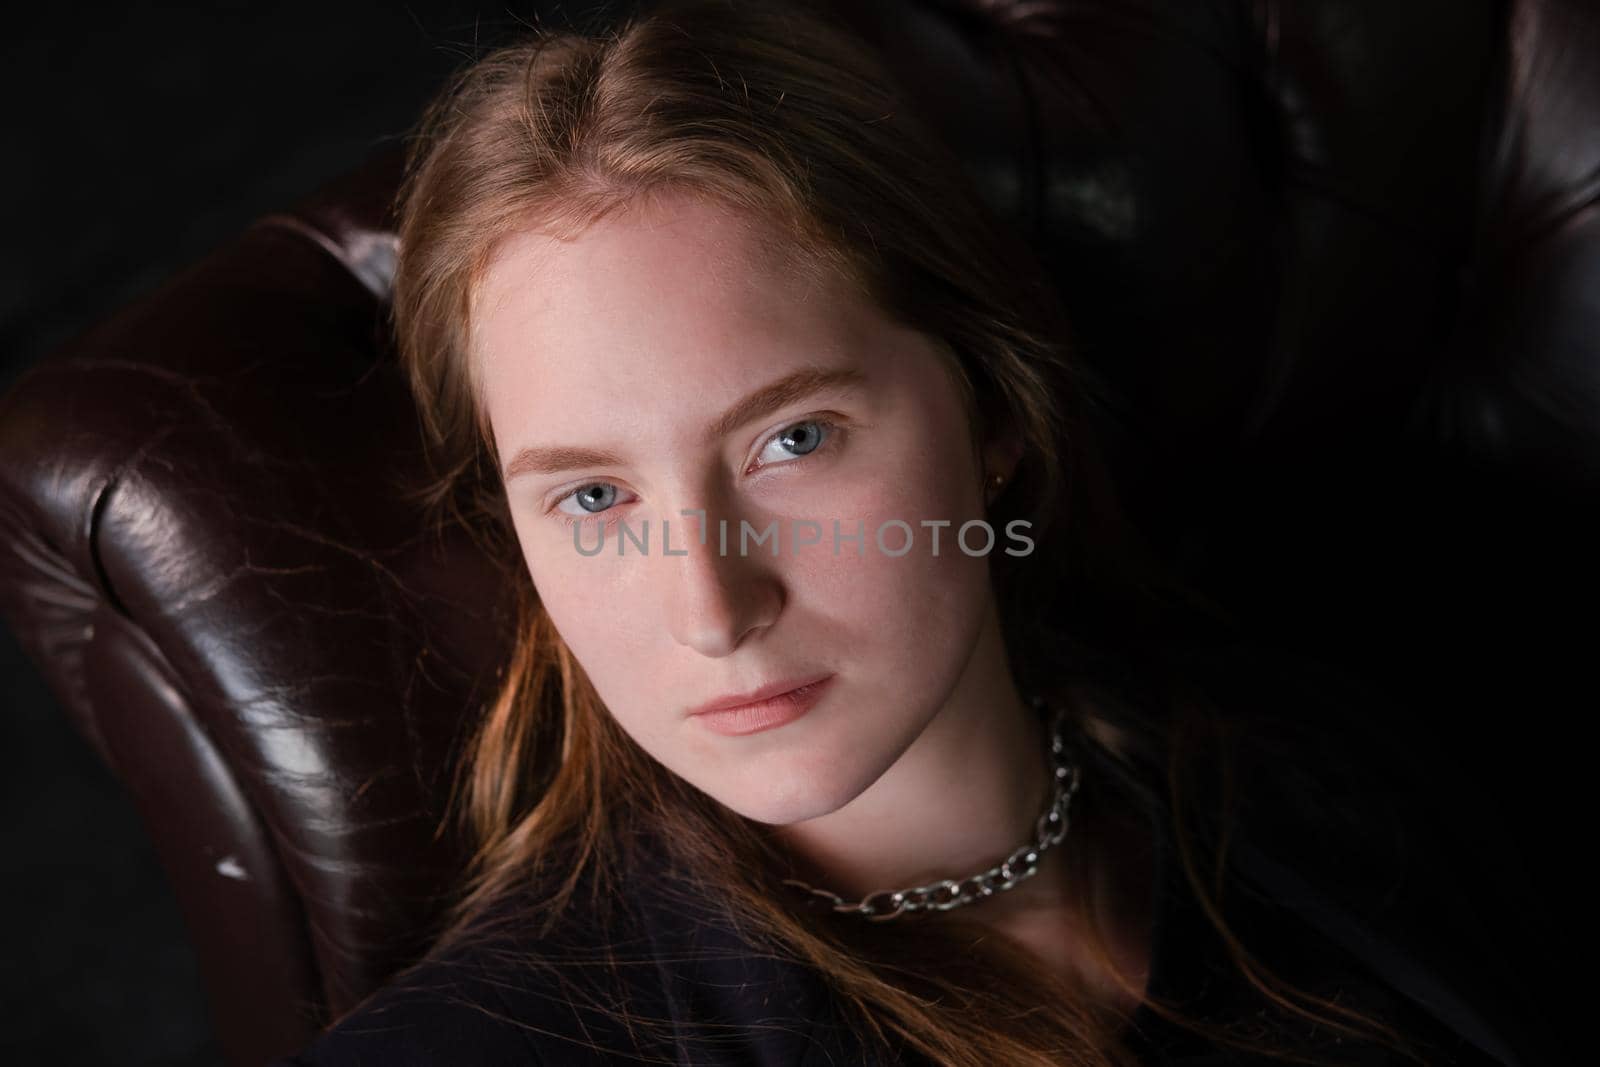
(1023, 863)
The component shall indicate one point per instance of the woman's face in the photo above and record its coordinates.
(630, 376)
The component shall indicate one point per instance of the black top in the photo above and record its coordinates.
(1315, 944)
(726, 1005)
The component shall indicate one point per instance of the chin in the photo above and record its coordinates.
(783, 796)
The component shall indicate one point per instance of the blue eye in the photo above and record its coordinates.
(800, 439)
(795, 441)
(594, 499)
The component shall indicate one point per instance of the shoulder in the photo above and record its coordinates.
(665, 979)
(1344, 827)
(445, 1010)
(502, 995)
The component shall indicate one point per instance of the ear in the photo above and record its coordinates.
(1001, 454)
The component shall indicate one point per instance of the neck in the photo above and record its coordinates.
(967, 792)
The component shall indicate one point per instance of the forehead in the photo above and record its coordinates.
(680, 285)
(673, 258)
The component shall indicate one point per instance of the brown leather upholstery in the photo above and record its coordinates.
(1341, 259)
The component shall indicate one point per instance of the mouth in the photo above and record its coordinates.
(765, 711)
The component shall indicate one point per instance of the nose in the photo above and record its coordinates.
(716, 600)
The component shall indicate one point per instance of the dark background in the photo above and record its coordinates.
(141, 138)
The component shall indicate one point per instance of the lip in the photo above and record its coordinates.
(763, 709)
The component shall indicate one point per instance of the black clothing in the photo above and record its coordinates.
(727, 1005)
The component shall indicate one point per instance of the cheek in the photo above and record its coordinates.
(907, 603)
(588, 600)
(617, 646)
(912, 466)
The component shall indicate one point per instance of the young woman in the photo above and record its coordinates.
(846, 724)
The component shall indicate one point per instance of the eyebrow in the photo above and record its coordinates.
(553, 459)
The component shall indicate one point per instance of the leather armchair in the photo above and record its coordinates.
(1339, 261)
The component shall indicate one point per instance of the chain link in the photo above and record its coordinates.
(1023, 863)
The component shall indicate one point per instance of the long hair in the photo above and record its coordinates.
(775, 114)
